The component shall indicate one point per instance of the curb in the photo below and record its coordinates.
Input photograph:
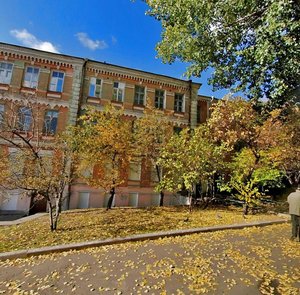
(21, 220)
(134, 238)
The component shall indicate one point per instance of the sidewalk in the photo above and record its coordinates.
(134, 238)
(251, 261)
(21, 220)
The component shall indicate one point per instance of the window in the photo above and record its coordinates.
(50, 123)
(154, 176)
(118, 91)
(31, 77)
(95, 87)
(139, 94)
(179, 103)
(159, 99)
(5, 72)
(134, 171)
(177, 130)
(57, 81)
(1, 113)
(24, 119)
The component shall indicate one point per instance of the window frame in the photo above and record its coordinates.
(177, 107)
(138, 95)
(2, 112)
(55, 83)
(135, 171)
(5, 70)
(158, 97)
(46, 130)
(31, 81)
(95, 87)
(23, 118)
(118, 90)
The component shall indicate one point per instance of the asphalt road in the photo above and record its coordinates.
(249, 261)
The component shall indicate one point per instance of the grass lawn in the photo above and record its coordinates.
(92, 224)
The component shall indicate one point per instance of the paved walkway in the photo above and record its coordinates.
(19, 220)
(256, 260)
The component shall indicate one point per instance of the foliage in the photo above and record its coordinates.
(249, 176)
(103, 142)
(152, 132)
(37, 167)
(284, 143)
(253, 46)
(263, 150)
(92, 224)
(189, 158)
(234, 122)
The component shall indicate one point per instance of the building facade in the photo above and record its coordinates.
(63, 86)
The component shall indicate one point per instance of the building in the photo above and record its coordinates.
(64, 85)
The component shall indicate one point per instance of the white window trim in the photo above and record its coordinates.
(63, 82)
(164, 97)
(8, 82)
(138, 172)
(183, 102)
(145, 95)
(38, 77)
(101, 86)
(123, 93)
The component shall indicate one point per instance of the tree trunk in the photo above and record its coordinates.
(51, 217)
(111, 198)
(161, 198)
(57, 212)
(190, 201)
(245, 209)
(161, 194)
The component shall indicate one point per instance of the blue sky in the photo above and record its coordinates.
(114, 31)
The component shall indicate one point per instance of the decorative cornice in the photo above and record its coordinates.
(32, 55)
(119, 72)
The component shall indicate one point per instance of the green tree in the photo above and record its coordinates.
(103, 141)
(152, 132)
(248, 176)
(253, 46)
(189, 158)
(250, 138)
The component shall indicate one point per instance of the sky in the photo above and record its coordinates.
(114, 31)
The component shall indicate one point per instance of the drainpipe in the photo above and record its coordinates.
(190, 106)
(78, 113)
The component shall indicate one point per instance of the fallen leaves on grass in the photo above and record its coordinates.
(84, 225)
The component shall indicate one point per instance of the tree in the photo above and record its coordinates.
(248, 177)
(189, 158)
(152, 132)
(253, 46)
(250, 138)
(38, 167)
(103, 144)
(282, 136)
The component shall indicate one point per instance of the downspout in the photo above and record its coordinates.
(78, 113)
(190, 106)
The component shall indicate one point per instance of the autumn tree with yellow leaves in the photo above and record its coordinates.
(151, 133)
(36, 166)
(189, 158)
(250, 138)
(103, 144)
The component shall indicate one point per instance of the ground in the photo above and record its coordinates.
(92, 224)
(249, 261)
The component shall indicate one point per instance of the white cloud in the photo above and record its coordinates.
(89, 43)
(114, 40)
(31, 41)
